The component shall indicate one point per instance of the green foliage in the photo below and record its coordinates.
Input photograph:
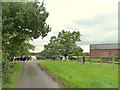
(36, 54)
(22, 22)
(5, 71)
(5, 68)
(87, 54)
(77, 51)
(13, 76)
(74, 75)
(63, 44)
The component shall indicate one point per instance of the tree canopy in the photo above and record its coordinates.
(64, 44)
(22, 22)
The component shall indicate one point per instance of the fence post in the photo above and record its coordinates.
(100, 61)
(113, 62)
(83, 59)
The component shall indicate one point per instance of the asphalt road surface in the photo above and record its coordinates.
(33, 77)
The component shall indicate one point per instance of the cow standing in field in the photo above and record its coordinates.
(33, 58)
(49, 58)
(63, 58)
(27, 58)
(11, 59)
(58, 58)
(22, 59)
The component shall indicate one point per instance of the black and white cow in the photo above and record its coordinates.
(58, 58)
(11, 59)
(33, 58)
(71, 58)
(22, 58)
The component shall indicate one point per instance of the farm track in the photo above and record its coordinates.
(33, 77)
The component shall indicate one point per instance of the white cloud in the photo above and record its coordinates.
(85, 48)
(95, 19)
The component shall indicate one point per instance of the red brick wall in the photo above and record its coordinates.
(104, 52)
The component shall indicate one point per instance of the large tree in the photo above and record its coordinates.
(21, 22)
(64, 44)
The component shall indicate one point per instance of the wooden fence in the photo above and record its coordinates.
(110, 60)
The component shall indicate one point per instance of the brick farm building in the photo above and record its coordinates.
(105, 50)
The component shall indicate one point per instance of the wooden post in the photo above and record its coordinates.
(113, 62)
(100, 61)
(83, 59)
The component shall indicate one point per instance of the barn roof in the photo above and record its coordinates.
(105, 46)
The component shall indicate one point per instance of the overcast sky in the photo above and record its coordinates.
(97, 21)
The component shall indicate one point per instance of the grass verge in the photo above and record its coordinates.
(12, 81)
(74, 75)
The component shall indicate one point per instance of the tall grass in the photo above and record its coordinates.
(74, 75)
(11, 82)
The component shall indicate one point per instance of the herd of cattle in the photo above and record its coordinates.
(33, 58)
(22, 58)
(60, 58)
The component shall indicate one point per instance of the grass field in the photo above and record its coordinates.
(11, 83)
(74, 75)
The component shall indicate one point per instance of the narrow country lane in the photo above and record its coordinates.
(33, 77)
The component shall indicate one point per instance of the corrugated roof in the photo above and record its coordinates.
(105, 46)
